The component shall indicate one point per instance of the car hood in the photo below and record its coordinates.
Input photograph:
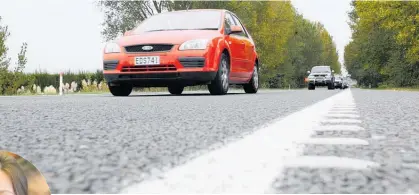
(167, 37)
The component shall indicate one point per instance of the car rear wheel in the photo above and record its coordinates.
(253, 85)
(220, 84)
(122, 90)
(176, 89)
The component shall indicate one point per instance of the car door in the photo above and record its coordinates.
(237, 49)
(249, 46)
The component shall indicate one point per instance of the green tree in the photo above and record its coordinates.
(385, 43)
(121, 16)
(10, 81)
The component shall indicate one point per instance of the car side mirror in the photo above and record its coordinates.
(235, 29)
(127, 33)
(308, 72)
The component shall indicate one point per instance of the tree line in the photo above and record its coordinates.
(288, 44)
(384, 51)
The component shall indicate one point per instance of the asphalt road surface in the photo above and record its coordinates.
(279, 141)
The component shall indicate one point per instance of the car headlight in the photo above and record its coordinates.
(112, 48)
(197, 44)
(311, 77)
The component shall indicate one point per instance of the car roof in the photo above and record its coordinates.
(323, 66)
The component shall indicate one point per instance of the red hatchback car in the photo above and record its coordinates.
(183, 48)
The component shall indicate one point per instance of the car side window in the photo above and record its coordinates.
(244, 33)
(229, 21)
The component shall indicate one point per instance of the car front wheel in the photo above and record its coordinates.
(220, 84)
(175, 89)
(120, 90)
(331, 86)
(311, 86)
(253, 85)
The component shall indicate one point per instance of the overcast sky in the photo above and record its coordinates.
(65, 34)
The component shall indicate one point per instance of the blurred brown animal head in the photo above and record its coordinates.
(13, 176)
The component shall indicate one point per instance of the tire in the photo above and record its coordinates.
(121, 90)
(220, 84)
(175, 89)
(253, 85)
(331, 86)
(311, 87)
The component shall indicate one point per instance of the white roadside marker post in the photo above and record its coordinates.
(61, 83)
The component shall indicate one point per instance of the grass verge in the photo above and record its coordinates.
(394, 88)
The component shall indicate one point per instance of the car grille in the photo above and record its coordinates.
(156, 48)
(110, 65)
(192, 62)
(148, 68)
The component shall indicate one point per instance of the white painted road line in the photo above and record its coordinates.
(249, 165)
(329, 162)
(340, 128)
(334, 141)
(344, 106)
(339, 121)
(344, 115)
(343, 112)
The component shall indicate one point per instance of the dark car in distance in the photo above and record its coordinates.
(339, 82)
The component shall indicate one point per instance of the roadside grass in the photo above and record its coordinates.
(393, 88)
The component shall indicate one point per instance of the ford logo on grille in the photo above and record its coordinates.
(147, 48)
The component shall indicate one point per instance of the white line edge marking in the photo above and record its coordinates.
(249, 165)
(339, 121)
(340, 128)
(344, 115)
(334, 141)
(329, 162)
(343, 112)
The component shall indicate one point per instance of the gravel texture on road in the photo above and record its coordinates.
(101, 143)
(391, 123)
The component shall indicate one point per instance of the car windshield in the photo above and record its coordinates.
(185, 20)
(320, 69)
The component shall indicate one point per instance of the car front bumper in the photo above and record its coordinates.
(161, 79)
(319, 82)
(338, 84)
(195, 67)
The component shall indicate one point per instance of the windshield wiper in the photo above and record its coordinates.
(204, 29)
(164, 30)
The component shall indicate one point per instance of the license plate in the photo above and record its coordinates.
(147, 60)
